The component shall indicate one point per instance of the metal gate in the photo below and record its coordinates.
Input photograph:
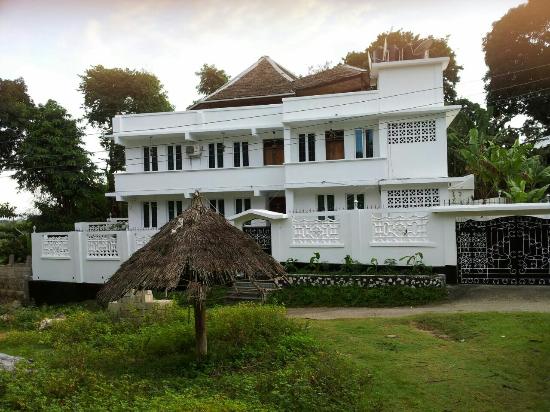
(513, 250)
(262, 236)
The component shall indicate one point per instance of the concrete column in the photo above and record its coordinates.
(288, 145)
(289, 200)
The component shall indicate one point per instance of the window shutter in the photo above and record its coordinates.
(302, 148)
(178, 157)
(179, 207)
(311, 147)
(221, 207)
(146, 214)
(246, 204)
(154, 159)
(236, 154)
(170, 157)
(154, 214)
(245, 154)
(170, 209)
(146, 159)
(211, 156)
(219, 152)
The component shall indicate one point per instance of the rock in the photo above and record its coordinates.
(6, 317)
(47, 322)
(7, 362)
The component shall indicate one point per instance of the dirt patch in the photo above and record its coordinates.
(430, 331)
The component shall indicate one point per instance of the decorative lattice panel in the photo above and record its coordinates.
(407, 198)
(55, 246)
(411, 132)
(102, 246)
(313, 232)
(399, 229)
(141, 239)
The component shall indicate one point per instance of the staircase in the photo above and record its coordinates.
(245, 290)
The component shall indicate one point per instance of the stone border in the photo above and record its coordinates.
(366, 281)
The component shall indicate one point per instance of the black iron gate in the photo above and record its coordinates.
(262, 236)
(513, 250)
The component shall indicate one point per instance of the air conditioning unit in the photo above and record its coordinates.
(193, 151)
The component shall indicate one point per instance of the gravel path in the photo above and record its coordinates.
(463, 298)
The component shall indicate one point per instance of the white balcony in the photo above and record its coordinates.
(361, 172)
(206, 180)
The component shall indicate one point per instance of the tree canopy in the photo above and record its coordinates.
(403, 39)
(15, 111)
(52, 163)
(517, 53)
(210, 79)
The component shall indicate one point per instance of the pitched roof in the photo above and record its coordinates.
(339, 72)
(263, 78)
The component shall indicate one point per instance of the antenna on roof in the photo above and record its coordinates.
(423, 49)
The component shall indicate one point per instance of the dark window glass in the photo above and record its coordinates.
(311, 147)
(245, 154)
(178, 157)
(236, 154)
(154, 214)
(359, 143)
(221, 207)
(146, 159)
(360, 201)
(302, 148)
(213, 205)
(146, 214)
(369, 143)
(350, 202)
(170, 210)
(170, 157)
(321, 203)
(211, 156)
(246, 204)
(330, 203)
(179, 207)
(219, 153)
(238, 206)
(154, 159)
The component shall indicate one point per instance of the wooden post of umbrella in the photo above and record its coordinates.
(199, 305)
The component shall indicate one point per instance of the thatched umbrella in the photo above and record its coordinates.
(198, 248)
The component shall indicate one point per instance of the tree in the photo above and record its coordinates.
(513, 171)
(406, 39)
(7, 211)
(52, 162)
(210, 79)
(15, 109)
(517, 53)
(108, 92)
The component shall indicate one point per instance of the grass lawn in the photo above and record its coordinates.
(458, 362)
(262, 361)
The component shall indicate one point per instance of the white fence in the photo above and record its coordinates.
(84, 256)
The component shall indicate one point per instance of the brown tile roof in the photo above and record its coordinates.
(336, 73)
(267, 82)
(263, 78)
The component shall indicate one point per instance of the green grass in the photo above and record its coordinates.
(261, 360)
(464, 362)
(317, 296)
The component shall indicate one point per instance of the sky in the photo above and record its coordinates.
(49, 43)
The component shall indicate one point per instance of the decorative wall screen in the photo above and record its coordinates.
(399, 229)
(56, 246)
(102, 246)
(313, 232)
(408, 198)
(411, 132)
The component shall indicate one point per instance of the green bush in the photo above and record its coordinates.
(296, 296)
(259, 360)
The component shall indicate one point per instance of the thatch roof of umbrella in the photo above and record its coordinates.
(198, 246)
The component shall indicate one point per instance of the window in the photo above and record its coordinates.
(364, 143)
(218, 205)
(149, 214)
(215, 155)
(352, 198)
(274, 153)
(175, 207)
(334, 144)
(174, 157)
(306, 147)
(240, 152)
(325, 203)
(407, 198)
(241, 205)
(150, 159)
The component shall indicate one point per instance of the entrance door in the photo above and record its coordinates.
(277, 204)
(274, 153)
(513, 250)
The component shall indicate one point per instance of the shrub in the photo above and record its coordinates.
(295, 296)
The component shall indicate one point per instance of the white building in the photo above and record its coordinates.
(337, 162)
